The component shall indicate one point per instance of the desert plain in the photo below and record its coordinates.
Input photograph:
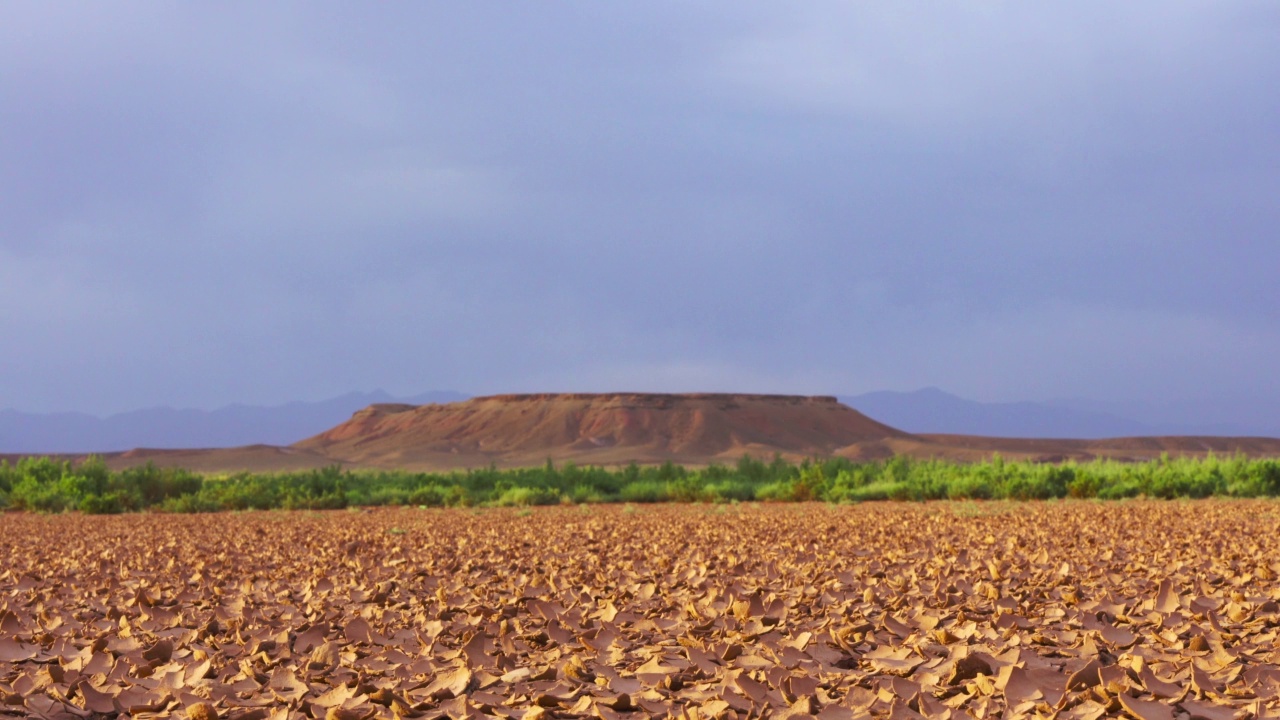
(1068, 609)
(614, 429)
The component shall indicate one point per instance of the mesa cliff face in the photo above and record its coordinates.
(645, 428)
(602, 428)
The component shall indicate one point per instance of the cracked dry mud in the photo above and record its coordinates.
(1068, 610)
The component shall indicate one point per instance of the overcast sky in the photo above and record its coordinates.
(260, 202)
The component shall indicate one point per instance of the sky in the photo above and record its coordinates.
(203, 204)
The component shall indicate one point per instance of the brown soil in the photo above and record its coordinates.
(1130, 448)
(786, 611)
(251, 458)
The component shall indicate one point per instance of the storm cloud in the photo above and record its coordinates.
(203, 204)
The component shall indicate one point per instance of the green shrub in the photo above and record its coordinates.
(193, 503)
(334, 500)
(585, 494)
(155, 485)
(111, 503)
(48, 485)
(1083, 486)
(970, 488)
(687, 488)
(9, 476)
(457, 496)
(882, 490)
(43, 470)
(429, 496)
(779, 491)
(525, 496)
(730, 491)
(1128, 488)
(644, 491)
(1259, 479)
(810, 484)
(47, 497)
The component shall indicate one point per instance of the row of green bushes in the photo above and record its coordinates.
(48, 485)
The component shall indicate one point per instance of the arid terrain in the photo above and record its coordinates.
(601, 429)
(620, 428)
(1153, 610)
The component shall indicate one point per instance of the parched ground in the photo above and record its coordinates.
(1069, 610)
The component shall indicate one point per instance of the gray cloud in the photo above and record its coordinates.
(203, 205)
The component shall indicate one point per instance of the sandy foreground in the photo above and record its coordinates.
(1064, 609)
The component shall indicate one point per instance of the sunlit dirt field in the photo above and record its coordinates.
(1066, 609)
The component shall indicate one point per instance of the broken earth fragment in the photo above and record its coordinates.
(1145, 709)
(1071, 610)
(967, 668)
(202, 711)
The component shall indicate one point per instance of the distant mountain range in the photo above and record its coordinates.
(231, 426)
(934, 411)
(922, 411)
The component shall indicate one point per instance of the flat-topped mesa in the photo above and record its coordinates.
(389, 408)
(643, 396)
(662, 400)
(602, 428)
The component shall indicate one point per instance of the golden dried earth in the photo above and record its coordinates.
(1067, 610)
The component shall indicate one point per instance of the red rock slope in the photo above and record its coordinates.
(605, 428)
